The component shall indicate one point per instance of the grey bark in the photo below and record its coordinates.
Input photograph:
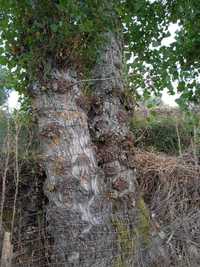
(109, 125)
(90, 181)
(7, 251)
(109, 118)
(78, 212)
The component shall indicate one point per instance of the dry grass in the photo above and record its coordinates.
(165, 168)
(171, 189)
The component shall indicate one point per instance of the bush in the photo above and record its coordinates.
(161, 130)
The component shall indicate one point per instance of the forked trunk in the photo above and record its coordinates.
(90, 174)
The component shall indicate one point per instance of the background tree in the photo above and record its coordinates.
(4, 90)
(155, 65)
(4, 93)
(68, 57)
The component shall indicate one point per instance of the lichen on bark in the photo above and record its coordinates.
(130, 238)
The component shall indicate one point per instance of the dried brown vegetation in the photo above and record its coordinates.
(169, 187)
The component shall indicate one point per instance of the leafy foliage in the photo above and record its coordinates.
(155, 65)
(157, 129)
(37, 35)
(3, 89)
(40, 35)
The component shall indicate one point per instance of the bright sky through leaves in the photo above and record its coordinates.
(166, 97)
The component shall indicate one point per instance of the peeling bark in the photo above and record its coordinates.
(78, 213)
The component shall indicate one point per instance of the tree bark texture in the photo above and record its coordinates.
(109, 126)
(109, 120)
(90, 172)
(7, 250)
(78, 212)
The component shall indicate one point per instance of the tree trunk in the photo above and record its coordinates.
(109, 118)
(78, 212)
(7, 250)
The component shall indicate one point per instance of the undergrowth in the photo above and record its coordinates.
(166, 130)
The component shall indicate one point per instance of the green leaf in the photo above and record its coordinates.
(3, 60)
(54, 27)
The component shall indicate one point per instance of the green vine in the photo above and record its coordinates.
(41, 35)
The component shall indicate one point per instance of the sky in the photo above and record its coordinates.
(13, 100)
(166, 98)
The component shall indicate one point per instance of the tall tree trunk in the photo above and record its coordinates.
(109, 118)
(78, 213)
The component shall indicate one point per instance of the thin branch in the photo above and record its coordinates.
(5, 172)
(17, 129)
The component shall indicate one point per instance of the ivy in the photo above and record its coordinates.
(39, 35)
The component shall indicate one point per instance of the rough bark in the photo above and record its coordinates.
(90, 181)
(109, 117)
(78, 212)
(7, 250)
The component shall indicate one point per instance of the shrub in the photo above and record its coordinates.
(160, 130)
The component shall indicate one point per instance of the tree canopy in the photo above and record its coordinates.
(3, 86)
(52, 32)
